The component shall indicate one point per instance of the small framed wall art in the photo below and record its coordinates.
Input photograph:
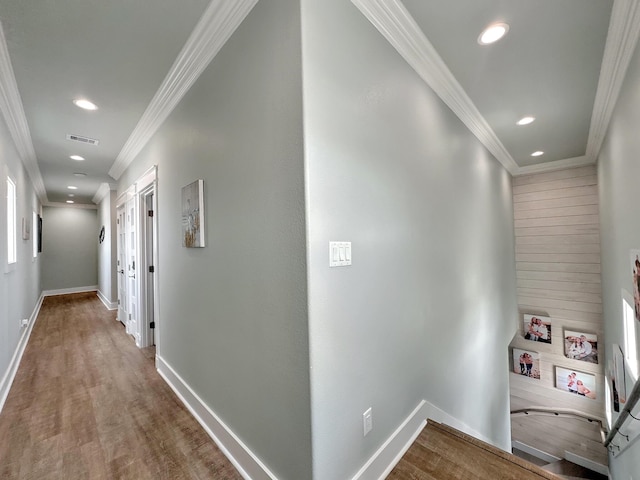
(537, 328)
(193, 215)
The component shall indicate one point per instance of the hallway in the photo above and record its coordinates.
(86, 403)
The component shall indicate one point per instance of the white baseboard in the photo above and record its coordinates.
(383, 461)
(66, 291)
(110, 305)
(10, 374)
(389, 454)
(441, 416)
(245, 461)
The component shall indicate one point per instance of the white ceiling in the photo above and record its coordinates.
(130, 57)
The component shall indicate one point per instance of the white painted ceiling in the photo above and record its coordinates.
(117, 53)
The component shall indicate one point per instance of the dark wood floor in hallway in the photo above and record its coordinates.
(86, 403)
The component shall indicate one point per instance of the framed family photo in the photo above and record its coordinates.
(526, 363)
(537, 328)
(581, 346)
(580, 383)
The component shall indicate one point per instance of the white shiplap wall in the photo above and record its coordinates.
(558, 274)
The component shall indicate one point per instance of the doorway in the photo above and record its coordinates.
(137, 260)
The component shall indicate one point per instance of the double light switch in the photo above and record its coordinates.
(339, 254)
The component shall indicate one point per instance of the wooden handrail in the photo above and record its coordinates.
(565, 412)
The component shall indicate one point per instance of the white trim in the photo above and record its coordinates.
(66, 291)
(86, 206)
(555, 165)
(523, 447)
(391, 451)
(13, 113)
(10, 374)
(624, 29)
(102, 192)
(383, 461)
(107, 303)
(245, 461)
(146, 179)
(217, 24)
(586, 463)
(396, 24)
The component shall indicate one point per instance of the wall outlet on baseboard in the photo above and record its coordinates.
(367, 421)
(24, 322)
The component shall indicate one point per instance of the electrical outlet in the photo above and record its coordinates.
(367, 421)
(24, 322)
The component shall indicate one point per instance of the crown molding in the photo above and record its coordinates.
(396, 24)
(622, 38)
(16, 120)
(555, 165)
(217, 24)
(83, 206)
(103, 191)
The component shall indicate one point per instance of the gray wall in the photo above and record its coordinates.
(619, 174)
(20, 287)
(107, 253)
(233, 315)
(69, 248)
(428, 307)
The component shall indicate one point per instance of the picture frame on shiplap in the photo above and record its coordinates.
(526, 363)
(537, 328)
(574, 381)
(581, 346)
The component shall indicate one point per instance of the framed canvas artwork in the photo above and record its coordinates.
(580, 383)
(581, 346)
(193, 215)
(537, 328)
(527, 363)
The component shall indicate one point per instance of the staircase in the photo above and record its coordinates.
(444, 453)
(561, 467)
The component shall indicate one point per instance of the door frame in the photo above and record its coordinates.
(140, 191)
(148, 240)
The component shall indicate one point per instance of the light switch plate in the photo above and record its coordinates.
(339, 254)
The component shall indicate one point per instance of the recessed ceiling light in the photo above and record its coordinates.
(493, 33)
(537, 154)
(71, 187)
(525, 120)
(84, 103)
(72, 195)
(80, 174)
(77, 158)
(70, 201)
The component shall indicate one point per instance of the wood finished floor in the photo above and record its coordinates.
(442, 453)
(86, 403)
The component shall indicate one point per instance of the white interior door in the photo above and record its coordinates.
(121, 221)
(131, 271)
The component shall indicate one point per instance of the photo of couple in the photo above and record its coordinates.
(581, 346)
(526, 363)
(537, 328)
(580, 383)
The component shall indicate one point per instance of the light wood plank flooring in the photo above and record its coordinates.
(443, 453)
(86, 403)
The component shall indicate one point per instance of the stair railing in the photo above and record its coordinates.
(563, 412)
(625, 415)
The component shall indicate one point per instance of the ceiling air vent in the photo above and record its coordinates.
(78, 138)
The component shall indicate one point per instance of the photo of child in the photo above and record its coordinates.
(526, 363)
(580, 383)
(537, 328)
